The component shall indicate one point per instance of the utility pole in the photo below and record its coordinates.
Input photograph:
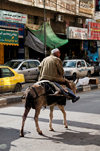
(44, 29)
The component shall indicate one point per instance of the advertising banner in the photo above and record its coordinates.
(77, 33)
(13, 17)
(86, 6)
(66, 6)
(8, 37)
(49, 4)
(93, 31)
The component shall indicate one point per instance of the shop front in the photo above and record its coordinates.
(76, 37)
(7, 38)
(11, 35)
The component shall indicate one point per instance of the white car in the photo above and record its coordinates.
(28, 67)
(77, 68)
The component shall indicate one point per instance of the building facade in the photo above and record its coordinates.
(61, 14)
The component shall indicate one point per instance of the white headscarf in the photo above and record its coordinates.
(54, 50)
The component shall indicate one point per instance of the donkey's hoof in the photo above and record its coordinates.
(66, 126)
(51, 129)
(40, 133)
(21, 135)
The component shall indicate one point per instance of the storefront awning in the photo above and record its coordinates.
(52, 41)
(33, 42)
(9, 37)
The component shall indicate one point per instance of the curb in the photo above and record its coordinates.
(17, 98)
(10, 100)
(87, 88)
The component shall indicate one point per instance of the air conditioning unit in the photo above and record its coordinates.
(60, 18)
(79, 20)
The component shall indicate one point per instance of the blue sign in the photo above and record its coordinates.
(16, 25)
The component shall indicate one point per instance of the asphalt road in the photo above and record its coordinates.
(83, 133)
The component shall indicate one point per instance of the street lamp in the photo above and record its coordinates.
(44, 28)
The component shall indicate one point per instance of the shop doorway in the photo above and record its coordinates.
(10, 52)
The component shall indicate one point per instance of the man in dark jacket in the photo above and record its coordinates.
(51, 68)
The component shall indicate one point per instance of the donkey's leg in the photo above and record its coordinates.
(51, 117)
(61, 107)
(23, 121)
(37, 112)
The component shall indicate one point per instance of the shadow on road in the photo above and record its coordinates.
(75, 138)
(7, 136)
(60, 122)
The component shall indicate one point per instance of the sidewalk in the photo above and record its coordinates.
(11, 98)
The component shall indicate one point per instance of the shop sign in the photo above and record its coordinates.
(86, 6)
(94, 31)
(20, 27)
(68, 6)
(8, 37)
(51, 5)
(13, 17)
(77, 33)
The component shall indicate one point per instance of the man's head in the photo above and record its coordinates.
(56, 52)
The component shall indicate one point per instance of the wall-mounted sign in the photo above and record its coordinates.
(66, 6)
(86, 6)
(94, 31)
(49, 4)
(13, 17)
(77, 33)
(8, 37)
(20, 27)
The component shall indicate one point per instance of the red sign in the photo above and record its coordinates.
(94, 31)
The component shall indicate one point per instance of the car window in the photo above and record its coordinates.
(5, 72)
(24, 66)
(36, 63)
(32, 64)
(82, 64)
(12, 64)
(70, 64)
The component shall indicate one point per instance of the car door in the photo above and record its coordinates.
(84, 68)
(7, 81)
(34, 71)
(79, 69)
(24, 69)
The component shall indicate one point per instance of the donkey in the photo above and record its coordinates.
(37, 97)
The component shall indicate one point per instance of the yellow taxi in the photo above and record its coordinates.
(10, 80)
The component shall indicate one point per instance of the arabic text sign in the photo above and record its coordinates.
(77, 33)
(8, 37)
(13, 17)
(94, 31)
(86, 6)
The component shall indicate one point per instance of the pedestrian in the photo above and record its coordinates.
(51, 69)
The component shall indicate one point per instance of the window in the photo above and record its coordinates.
(24, 66)
(32, 64)
(82, 64)
(36, 63)
(6, 73)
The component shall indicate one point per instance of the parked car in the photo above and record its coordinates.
(27, 67)
(77, 68)
(10, 80)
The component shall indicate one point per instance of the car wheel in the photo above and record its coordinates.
(74, 76)
(18, 87)
(89, 74)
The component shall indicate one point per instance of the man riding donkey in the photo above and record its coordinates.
(51, 69)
